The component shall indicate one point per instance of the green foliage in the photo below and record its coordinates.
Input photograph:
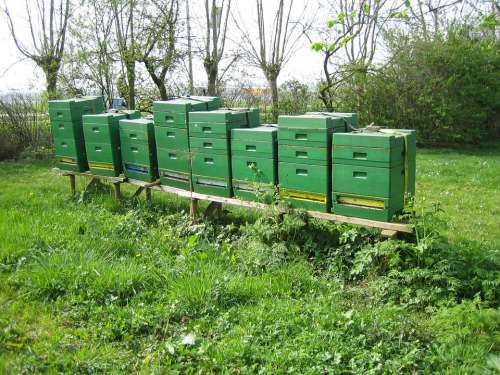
(447, 88)
(296, 98)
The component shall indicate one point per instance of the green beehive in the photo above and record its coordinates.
(66, 124)
(304, 155)
(254, 162)
(209, 138)
(172, 137)
(370, 173)
(102, 143)
(138, 149)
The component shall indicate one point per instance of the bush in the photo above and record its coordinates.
(294, 98)
(447, 88)
(24, 125)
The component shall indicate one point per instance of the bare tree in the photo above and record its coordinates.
(217, 17)
(189, 51)
(123, 11)
(156, 39)
(48, 24)
(90, 59)
(271, 52)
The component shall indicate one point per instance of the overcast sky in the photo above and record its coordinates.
(21, 74)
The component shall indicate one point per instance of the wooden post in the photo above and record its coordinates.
(72, 184)
(116, 188)
(389, 234)
(213, 208)
(194, 208)
(148, 195)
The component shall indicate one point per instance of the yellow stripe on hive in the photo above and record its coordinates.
(67, 161)
(303, 195)
(101, 165)
(358, 201)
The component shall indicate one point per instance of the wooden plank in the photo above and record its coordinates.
(88, 174)
(389, 233)
(400, 227)
(231, 201)
(143, 184)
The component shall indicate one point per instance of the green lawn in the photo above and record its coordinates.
(90, 285)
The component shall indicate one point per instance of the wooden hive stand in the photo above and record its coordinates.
(389, 229)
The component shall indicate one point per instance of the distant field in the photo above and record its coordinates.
(90, 285)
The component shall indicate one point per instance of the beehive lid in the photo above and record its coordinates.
(310, 122)
(224, 116)
(371, 139)
(181, 105)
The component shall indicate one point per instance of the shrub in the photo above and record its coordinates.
(23, 124)
(447, 88)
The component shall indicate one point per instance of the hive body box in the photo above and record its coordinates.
(252, 114)
(66, 123)
(210, 137)
(371, 173)
(138, 149)
(102, 143)
(172, 137)
(304, 153)
(254, 162)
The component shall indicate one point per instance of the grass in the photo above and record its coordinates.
(90, 285)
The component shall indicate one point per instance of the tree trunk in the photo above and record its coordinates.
(190, 55)
(131, 84)
(212, 73)
(157, 80)
(273, 84)
(51, 81)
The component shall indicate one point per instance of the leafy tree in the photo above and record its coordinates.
(348, 43)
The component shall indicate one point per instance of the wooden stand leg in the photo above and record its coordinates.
(116, 188)
(148, 195)
(194, 208)
(389, 234)
(72, 183)
(213, 208)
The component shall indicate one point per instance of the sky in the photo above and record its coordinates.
(18, 73)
